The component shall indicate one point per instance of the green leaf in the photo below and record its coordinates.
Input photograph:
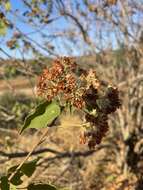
(41, 187)
(4, 185)
(16, 180)
(44, 115)
(3, 28)
(7, 6)
(12, 169)
(29, 167)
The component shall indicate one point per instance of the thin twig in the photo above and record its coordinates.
(29, 154)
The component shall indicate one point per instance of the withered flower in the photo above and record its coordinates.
(60, 81)
(63, 83)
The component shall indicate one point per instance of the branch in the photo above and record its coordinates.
(73, 154)
(83, 31)
(23, 154)
(59, 154)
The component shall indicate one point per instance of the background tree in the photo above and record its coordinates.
(106, 35)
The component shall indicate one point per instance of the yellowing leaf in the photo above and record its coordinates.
(3, 28)
(12, 187)
(7, 6)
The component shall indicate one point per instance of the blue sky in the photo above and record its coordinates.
(27, 29)
(61, 24)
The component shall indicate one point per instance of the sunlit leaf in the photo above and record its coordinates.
(44, 115)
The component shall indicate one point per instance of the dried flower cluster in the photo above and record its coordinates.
(99, 106)
(85, 92)
(60, 82)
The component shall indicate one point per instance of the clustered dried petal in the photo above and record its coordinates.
(90, 96)
(112, 95)
(103, 105)
(61, 82)
(98, 131)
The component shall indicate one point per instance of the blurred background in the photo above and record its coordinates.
(103, 34)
